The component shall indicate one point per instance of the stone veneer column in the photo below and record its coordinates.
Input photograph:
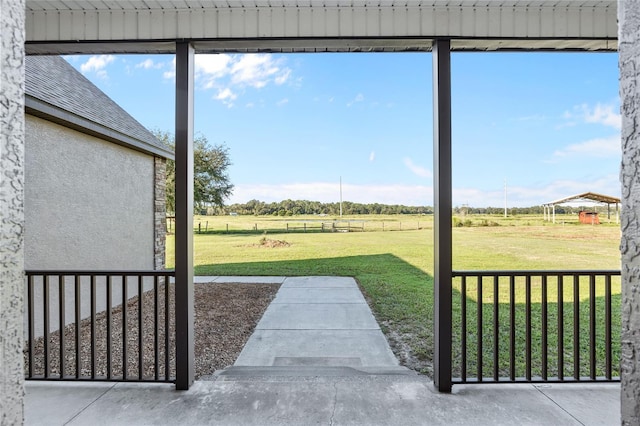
(12, 15)
(160, 213)
(629, 63)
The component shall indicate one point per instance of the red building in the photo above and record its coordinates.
(589, 218)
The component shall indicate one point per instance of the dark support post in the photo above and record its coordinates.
(184, 216)
(442, 210)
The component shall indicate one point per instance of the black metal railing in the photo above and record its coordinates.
(100, 325)
(536, 326)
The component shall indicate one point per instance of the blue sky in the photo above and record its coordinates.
(547, 123)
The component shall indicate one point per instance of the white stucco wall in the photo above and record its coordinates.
(89, 204)
(11, 210)
(629, 62)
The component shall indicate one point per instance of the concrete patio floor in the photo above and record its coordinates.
(318, 357)
(320, 400)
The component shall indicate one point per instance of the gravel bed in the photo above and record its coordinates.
(225, 317)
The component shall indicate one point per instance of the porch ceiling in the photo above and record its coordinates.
(153, 26)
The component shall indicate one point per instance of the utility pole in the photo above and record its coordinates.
(340, 196)
(505, 197)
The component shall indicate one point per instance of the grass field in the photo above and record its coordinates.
(394, 266)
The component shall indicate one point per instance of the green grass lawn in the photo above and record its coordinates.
(395, 268)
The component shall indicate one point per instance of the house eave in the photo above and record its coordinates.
(324, 44)
(38, 108)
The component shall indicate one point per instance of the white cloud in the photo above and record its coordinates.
(258, 70)
(148, 64)
(226, 96)
(282, 102)
(599, 148)
(213, 64)
(411, 195)
(97, 64)
(359, 98)
(208, 69)
(602, 147)
(519, 196)
(421, 195)
(252, 70)
(372, 156)
(171, 74)
(604, 114)
(237, 72)
(417, 170)
(283, 77)
(211, 68)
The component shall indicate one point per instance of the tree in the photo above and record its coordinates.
(211, 186)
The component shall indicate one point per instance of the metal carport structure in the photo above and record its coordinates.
(550, 207)
(214, 26)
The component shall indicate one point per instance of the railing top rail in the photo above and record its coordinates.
(524, 273)
(167, 272)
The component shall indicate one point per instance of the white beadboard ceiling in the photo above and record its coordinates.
(147, 26)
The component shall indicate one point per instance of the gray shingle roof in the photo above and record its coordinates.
(58, 91)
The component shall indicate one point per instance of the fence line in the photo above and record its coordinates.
(204, 227)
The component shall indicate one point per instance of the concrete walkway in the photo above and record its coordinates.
(318, 321)
(318, 357)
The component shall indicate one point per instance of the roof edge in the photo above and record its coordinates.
(600, 198)
(38, 108)
(323, 44)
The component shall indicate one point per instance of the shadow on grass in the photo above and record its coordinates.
(400, 295)
(560, 357)
(402, 299)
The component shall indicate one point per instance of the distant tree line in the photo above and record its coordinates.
(298, 207)
(306, 207)
(515, 211)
